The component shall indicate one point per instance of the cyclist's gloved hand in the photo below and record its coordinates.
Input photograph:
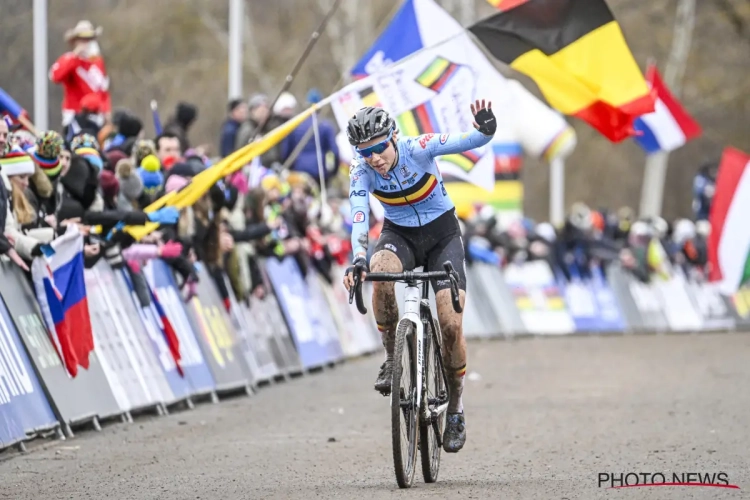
(484, 118)
(360, 261)
(166, 215)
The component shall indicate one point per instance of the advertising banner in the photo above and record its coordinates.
(538, 298)
(316, 346)
(216, 336)
(504, 318)
(591, 303)
(256, 360)
(355, 332)
(133, 338)
(20, 390)
(679, 310)
(161, 280)
(74, 399)
(153, 327)
(714, 308)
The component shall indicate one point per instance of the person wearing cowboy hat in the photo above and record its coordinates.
(82, 73)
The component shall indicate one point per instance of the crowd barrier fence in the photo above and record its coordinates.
(303, 324)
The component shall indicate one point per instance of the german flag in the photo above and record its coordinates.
(418, 192)
(575, 51)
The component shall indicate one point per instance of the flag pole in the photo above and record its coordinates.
(236, 18)
(655, 171)
(557, 191)
(41, 111)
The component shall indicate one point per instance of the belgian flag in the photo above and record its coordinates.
(575, 51)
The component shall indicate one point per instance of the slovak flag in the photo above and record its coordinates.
(61, 292)
(669, 126)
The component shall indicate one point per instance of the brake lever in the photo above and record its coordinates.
(455, 294)
(356, 282)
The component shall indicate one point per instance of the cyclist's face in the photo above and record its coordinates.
(381, 162)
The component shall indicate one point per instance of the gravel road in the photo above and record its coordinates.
(544, 418)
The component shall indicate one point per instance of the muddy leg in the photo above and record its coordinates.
(384, 303)
(454, 346)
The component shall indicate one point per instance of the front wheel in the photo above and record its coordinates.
(431, 434)
(404, 411)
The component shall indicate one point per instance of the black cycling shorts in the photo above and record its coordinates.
(427, 246)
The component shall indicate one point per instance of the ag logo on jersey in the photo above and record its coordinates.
(359, 217)
(404, 171)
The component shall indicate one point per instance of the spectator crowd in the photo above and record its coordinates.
(100, 172)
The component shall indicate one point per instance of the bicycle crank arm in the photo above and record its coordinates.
(436, 430)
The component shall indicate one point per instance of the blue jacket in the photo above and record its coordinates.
(307, 161)
(228, 135)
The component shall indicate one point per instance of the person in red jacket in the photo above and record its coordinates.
(81, 72)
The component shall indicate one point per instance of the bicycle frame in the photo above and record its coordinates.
(416, 307)
(413, 298)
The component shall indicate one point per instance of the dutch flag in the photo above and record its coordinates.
(669, 126)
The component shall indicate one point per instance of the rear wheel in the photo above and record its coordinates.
(430, 442)
(404, 413)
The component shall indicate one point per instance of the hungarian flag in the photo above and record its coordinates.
(729, 241)
(575, 51)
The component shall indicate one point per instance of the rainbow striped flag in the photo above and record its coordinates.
(418, 121)
(437, 74)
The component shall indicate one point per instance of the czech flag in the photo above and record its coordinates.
(669, 126)
(61, 292)
(576, 53)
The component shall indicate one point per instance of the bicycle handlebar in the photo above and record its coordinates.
(449, 272)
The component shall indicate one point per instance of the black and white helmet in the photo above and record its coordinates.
(367, 124)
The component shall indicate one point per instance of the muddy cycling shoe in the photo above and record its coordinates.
(383, 383)
(454, 435)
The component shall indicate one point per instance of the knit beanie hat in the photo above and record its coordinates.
(142, 149)
(130, 125)
(113, 158)
(131, 185)
(16, 162)
(86, 146)
(46, 152)
(150, 174)
(175, 183)
(109, 184)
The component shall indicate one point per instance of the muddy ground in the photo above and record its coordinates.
(544, 418)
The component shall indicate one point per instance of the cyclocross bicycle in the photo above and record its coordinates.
(419, 389)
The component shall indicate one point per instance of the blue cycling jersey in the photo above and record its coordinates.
(412, 193)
